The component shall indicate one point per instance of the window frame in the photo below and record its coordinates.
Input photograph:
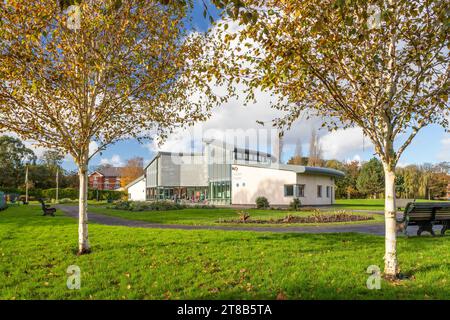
(301, 187)
(319, 191)
(285, 190)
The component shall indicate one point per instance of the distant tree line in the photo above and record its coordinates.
(366, 179)
(16, 158)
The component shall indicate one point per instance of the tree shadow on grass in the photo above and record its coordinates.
(322, 238)
(426, 268)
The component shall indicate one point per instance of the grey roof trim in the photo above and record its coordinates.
(324, 171)
(134, 181)
(109, 172)
(274, 166)
(96, 172)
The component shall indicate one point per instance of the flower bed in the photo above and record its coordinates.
(314, 218)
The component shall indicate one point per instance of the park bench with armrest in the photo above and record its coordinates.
(46, 209)
(425, 215)
(443, 217)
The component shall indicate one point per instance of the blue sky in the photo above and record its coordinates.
(432, 144)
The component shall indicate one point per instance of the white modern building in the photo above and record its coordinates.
(225, 175)
(136, 189)
(281, 183)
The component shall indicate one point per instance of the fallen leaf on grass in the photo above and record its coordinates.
(281, 296)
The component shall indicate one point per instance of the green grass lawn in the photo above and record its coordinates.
(134, 263)
(195, 216)
(366, 204)
(360, 204)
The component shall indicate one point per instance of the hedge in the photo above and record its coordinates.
(66, 193)
(33, 193)
(106, 195)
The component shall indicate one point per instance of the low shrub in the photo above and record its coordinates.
(262, 203)
(203, 206)
(121, 205)
(295, 204)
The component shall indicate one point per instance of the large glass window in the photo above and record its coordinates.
(220, 190)
(328, 191)
(288, 190)
(294, 190)
(319, 191)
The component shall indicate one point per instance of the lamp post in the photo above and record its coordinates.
(57, 185)
(26, 183)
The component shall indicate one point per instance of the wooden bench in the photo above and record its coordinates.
(443, 217)
(46, 209)
(425, 215)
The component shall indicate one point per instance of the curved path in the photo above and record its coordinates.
(369, 228)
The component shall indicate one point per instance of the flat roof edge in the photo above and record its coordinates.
(324, 171)
(296, 169)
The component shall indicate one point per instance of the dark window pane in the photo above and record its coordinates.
(288, 190)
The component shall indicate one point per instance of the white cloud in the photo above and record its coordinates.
(115, 161)
(341, 143)
(234, 121)
(93, 147)
(356, 158)
(444, 153)
(38, 150)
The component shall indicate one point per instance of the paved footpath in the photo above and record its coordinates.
(368, 228)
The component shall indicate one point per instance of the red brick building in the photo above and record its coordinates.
(105, 178)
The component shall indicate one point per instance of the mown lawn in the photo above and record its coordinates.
(366, 204)
(133, 263)
(196, 216)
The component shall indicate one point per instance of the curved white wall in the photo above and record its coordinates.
(248, 183)
(260, 182)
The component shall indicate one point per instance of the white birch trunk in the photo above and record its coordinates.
(83, 240)
(390, 212)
